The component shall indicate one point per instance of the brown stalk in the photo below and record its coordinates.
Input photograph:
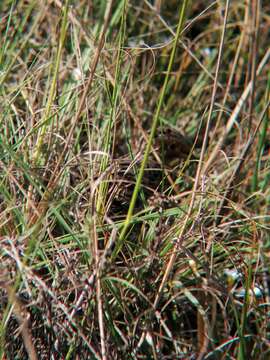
(93, 235)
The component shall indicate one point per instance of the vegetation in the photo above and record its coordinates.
(134, 183)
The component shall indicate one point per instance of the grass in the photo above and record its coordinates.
(134, 183)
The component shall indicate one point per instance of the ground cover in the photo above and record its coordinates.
(134, 182)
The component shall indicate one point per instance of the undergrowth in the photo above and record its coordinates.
(134, 183)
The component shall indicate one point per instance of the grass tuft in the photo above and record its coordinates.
(134, 182)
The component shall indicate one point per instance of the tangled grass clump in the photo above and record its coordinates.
(134, 183)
